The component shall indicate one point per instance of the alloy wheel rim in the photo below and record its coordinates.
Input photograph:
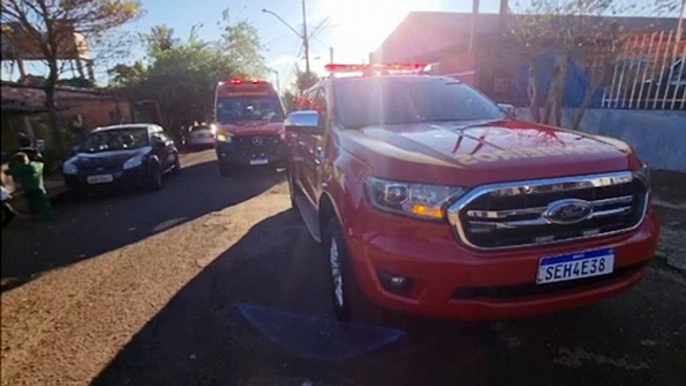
(336, 274)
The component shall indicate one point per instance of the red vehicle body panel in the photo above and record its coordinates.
(428, 251)
(247, 88)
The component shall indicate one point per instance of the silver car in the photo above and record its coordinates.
(200, 135)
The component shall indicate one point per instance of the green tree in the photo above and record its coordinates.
(47, 27)
(181, 76)
(160, 38)
(241, 43)
(304, 80)
(122, 75)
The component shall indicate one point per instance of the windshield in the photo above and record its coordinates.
(119, 139)
(389, 101)
(200, 128)
(249, 108)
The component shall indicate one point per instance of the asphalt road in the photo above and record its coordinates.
(216, 281)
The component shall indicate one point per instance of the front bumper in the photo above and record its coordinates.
(122, 179)
(241, 151)
(201, 141)
(453, 281)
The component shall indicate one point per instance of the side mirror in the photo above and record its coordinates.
(508, 109)
(74, 150)
(305, 121)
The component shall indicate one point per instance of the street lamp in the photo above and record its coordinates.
(303, 36)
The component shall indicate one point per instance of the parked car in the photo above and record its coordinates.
(428, 198)
(200, 136)
(133, 155)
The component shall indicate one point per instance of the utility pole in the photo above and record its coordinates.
(306, 40)
(680, 25)
(331, 55)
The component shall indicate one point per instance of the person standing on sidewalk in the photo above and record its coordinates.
(29, 174)
(26, 146)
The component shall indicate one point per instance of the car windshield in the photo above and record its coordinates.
(199, 128)
(117, 139)
(365, 102)
(249, 108)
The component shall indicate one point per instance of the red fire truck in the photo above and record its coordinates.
(430, 198)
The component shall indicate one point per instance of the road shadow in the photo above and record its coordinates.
(103, 223)
(201, 336)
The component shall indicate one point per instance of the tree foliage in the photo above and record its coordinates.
(242, 45)
(160, 38)
(180, 76)
(579, 30)
(47, 28)
(304, 80)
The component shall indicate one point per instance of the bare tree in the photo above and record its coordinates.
(54, 30)
(578, 30)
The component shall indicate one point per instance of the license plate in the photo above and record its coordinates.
(100, 179)
(576, 266)
(259, 161)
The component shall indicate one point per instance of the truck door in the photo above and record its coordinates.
(314, 150)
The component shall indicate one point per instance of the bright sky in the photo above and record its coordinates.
(355, 27)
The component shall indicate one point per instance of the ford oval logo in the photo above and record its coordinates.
(569, 211)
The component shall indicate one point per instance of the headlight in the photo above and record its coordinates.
(643, 174)
(133, 162)
(70, 168)
(417, 200)
(224, 138)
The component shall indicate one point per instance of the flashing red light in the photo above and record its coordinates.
(238, 81)
(394, 67)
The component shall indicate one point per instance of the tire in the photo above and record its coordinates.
(177, 166)
(349, 303)
(291, 189)
(156, 178)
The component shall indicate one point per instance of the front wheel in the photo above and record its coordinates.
(349, 303)
(291, 189)
(177, 166)
(156, 178)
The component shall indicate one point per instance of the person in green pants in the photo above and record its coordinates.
(29, 174)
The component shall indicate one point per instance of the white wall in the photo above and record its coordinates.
(658, 136)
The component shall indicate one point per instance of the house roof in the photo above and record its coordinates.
(423, 33)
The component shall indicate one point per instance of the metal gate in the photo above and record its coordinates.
(650, 73)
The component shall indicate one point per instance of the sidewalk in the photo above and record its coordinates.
(670, 203)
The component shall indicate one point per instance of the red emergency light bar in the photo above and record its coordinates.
(395, 67)
(238, 81)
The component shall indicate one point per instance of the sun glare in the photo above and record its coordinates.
(360, 26)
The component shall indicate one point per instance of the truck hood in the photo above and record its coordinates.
(251, 128)
(507, 150)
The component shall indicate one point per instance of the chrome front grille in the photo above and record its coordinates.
(519, 214)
